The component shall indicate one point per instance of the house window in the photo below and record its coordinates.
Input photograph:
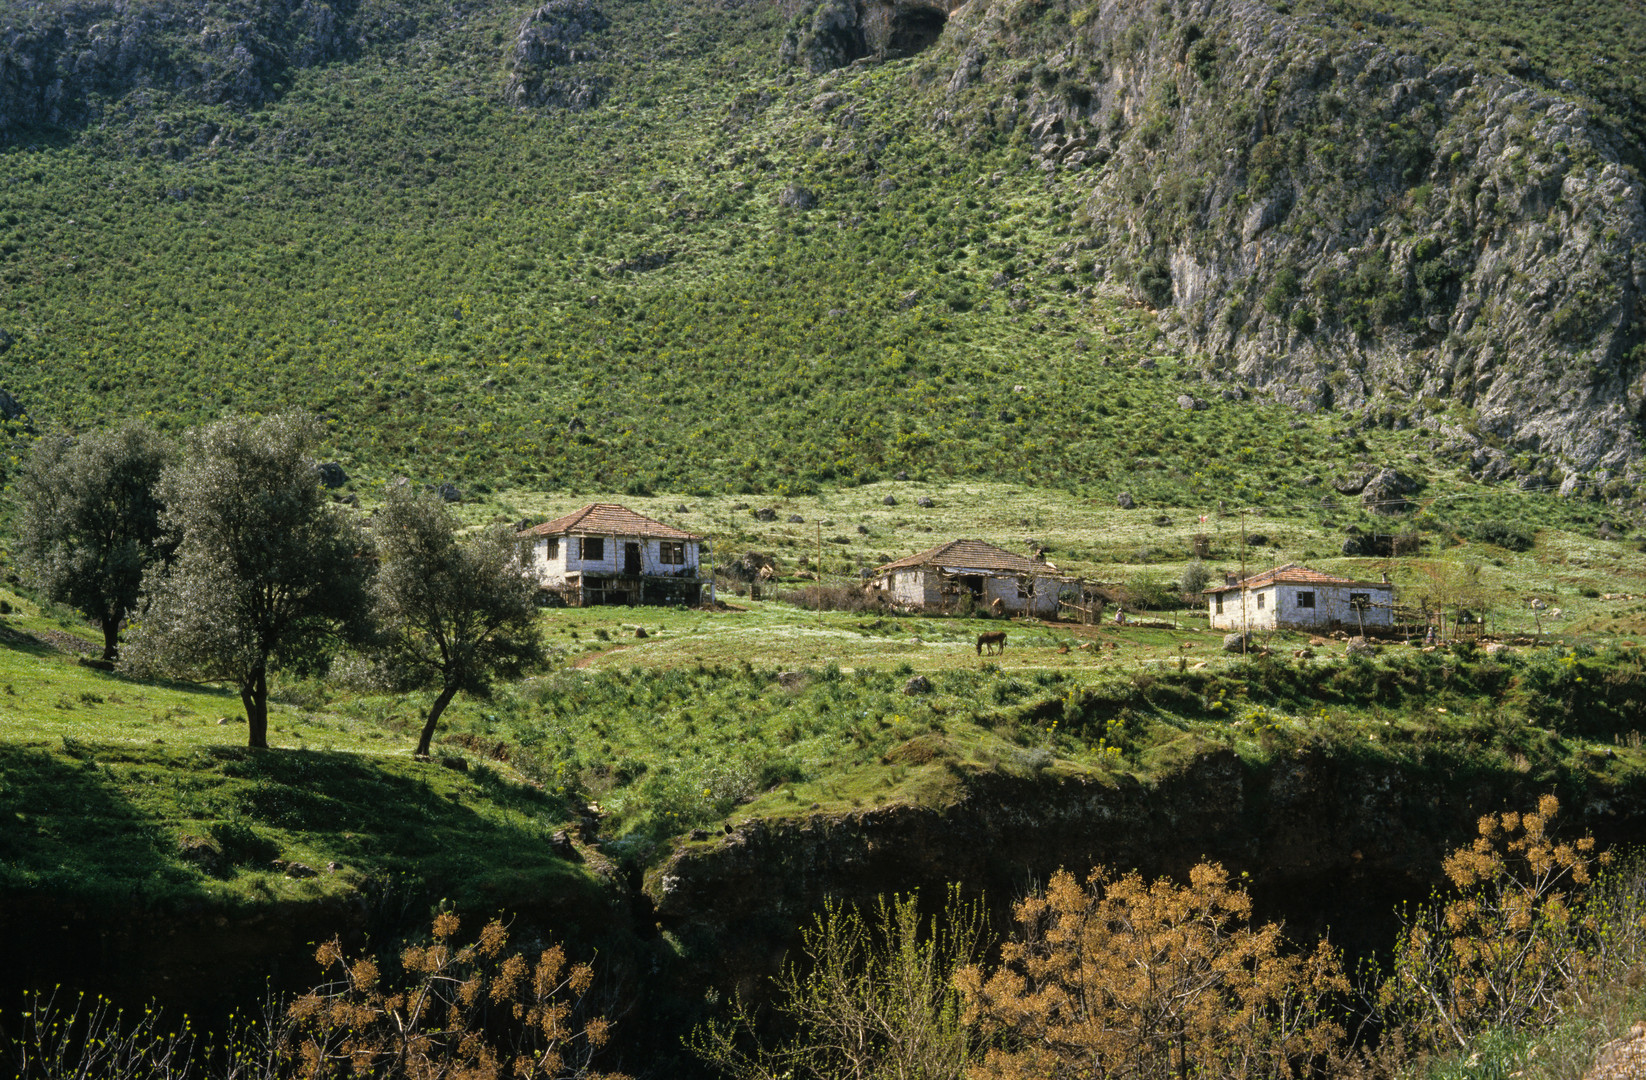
(1306, 599)
(594, 549)
(1220, 603)
(1260, 601)
(1360, 601)
(1025, 591)
(671, 552)
(551, 549)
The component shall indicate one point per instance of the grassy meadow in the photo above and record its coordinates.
(646, 725)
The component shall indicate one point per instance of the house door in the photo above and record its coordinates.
(631, 559)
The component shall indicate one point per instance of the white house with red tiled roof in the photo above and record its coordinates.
(945, 576)
(1296, 597)
(608, 554)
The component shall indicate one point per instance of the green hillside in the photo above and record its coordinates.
(609, 298)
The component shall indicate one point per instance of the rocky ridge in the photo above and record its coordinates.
(60, 64)
(550, 41)
(1338, 224)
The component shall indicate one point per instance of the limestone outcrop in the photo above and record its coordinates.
(1338, 224)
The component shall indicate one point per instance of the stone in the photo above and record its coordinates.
(449, 493)
(1359, 646)
(797, 197)
(1386, 490)
(791, 680)
(902, 474)
(918, 684)
(1353, 483)
(1238, 643)
(300, 870)
(6, 341)
(548, 47)
(796, 519)
(331, 474)
(1125, 501)
(1572, 485)
(202, 852)
(10, 407)
(1497, 648)
(575, 426)
(766, 513)
(1147, 363)
(640, 633)
(862, 530)
(1190, 403)
(890, 500)
(925, 501)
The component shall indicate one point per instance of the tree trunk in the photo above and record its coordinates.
(111, 638)
(439, 706)
(254, 695)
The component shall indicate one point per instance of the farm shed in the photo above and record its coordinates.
(1297, 598)
(608, 554)
(949, 576)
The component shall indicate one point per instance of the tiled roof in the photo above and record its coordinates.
(1293, 574)
(970, 555)
(608, 519)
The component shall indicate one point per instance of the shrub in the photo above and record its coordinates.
(241, 844)
(1135, 979)
(432, 1022)
(873, 996)
(1194, 579)
(1507, 946)
(1503, 535)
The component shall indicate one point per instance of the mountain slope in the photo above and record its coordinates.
(617, 246)
(1335, 221)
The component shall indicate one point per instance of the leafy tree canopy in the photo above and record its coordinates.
(453, 612)
(267, 573)
(91, 521)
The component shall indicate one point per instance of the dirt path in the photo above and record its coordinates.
(588, 658)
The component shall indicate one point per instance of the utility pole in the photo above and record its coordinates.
(1245, 624)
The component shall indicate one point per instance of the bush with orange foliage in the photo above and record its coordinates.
(1135, 979)
(1513, 942)
(440, 1020)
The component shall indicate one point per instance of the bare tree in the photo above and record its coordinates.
(267, 572)
(453, 613)
(91, 521)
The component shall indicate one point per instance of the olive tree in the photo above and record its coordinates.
(267, 572)
(453, 613)
(90, 521)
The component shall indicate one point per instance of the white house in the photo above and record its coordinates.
(947, 575)
(608, 554)
(1296, 597)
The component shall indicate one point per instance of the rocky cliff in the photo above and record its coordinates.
(1345, 226)
(61, 64)
(1326, 219)
(1330, 843)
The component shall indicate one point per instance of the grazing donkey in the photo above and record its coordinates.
(997, 638)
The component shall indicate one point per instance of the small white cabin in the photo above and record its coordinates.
(1295, 597)
(948, 576)
(608, 554)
